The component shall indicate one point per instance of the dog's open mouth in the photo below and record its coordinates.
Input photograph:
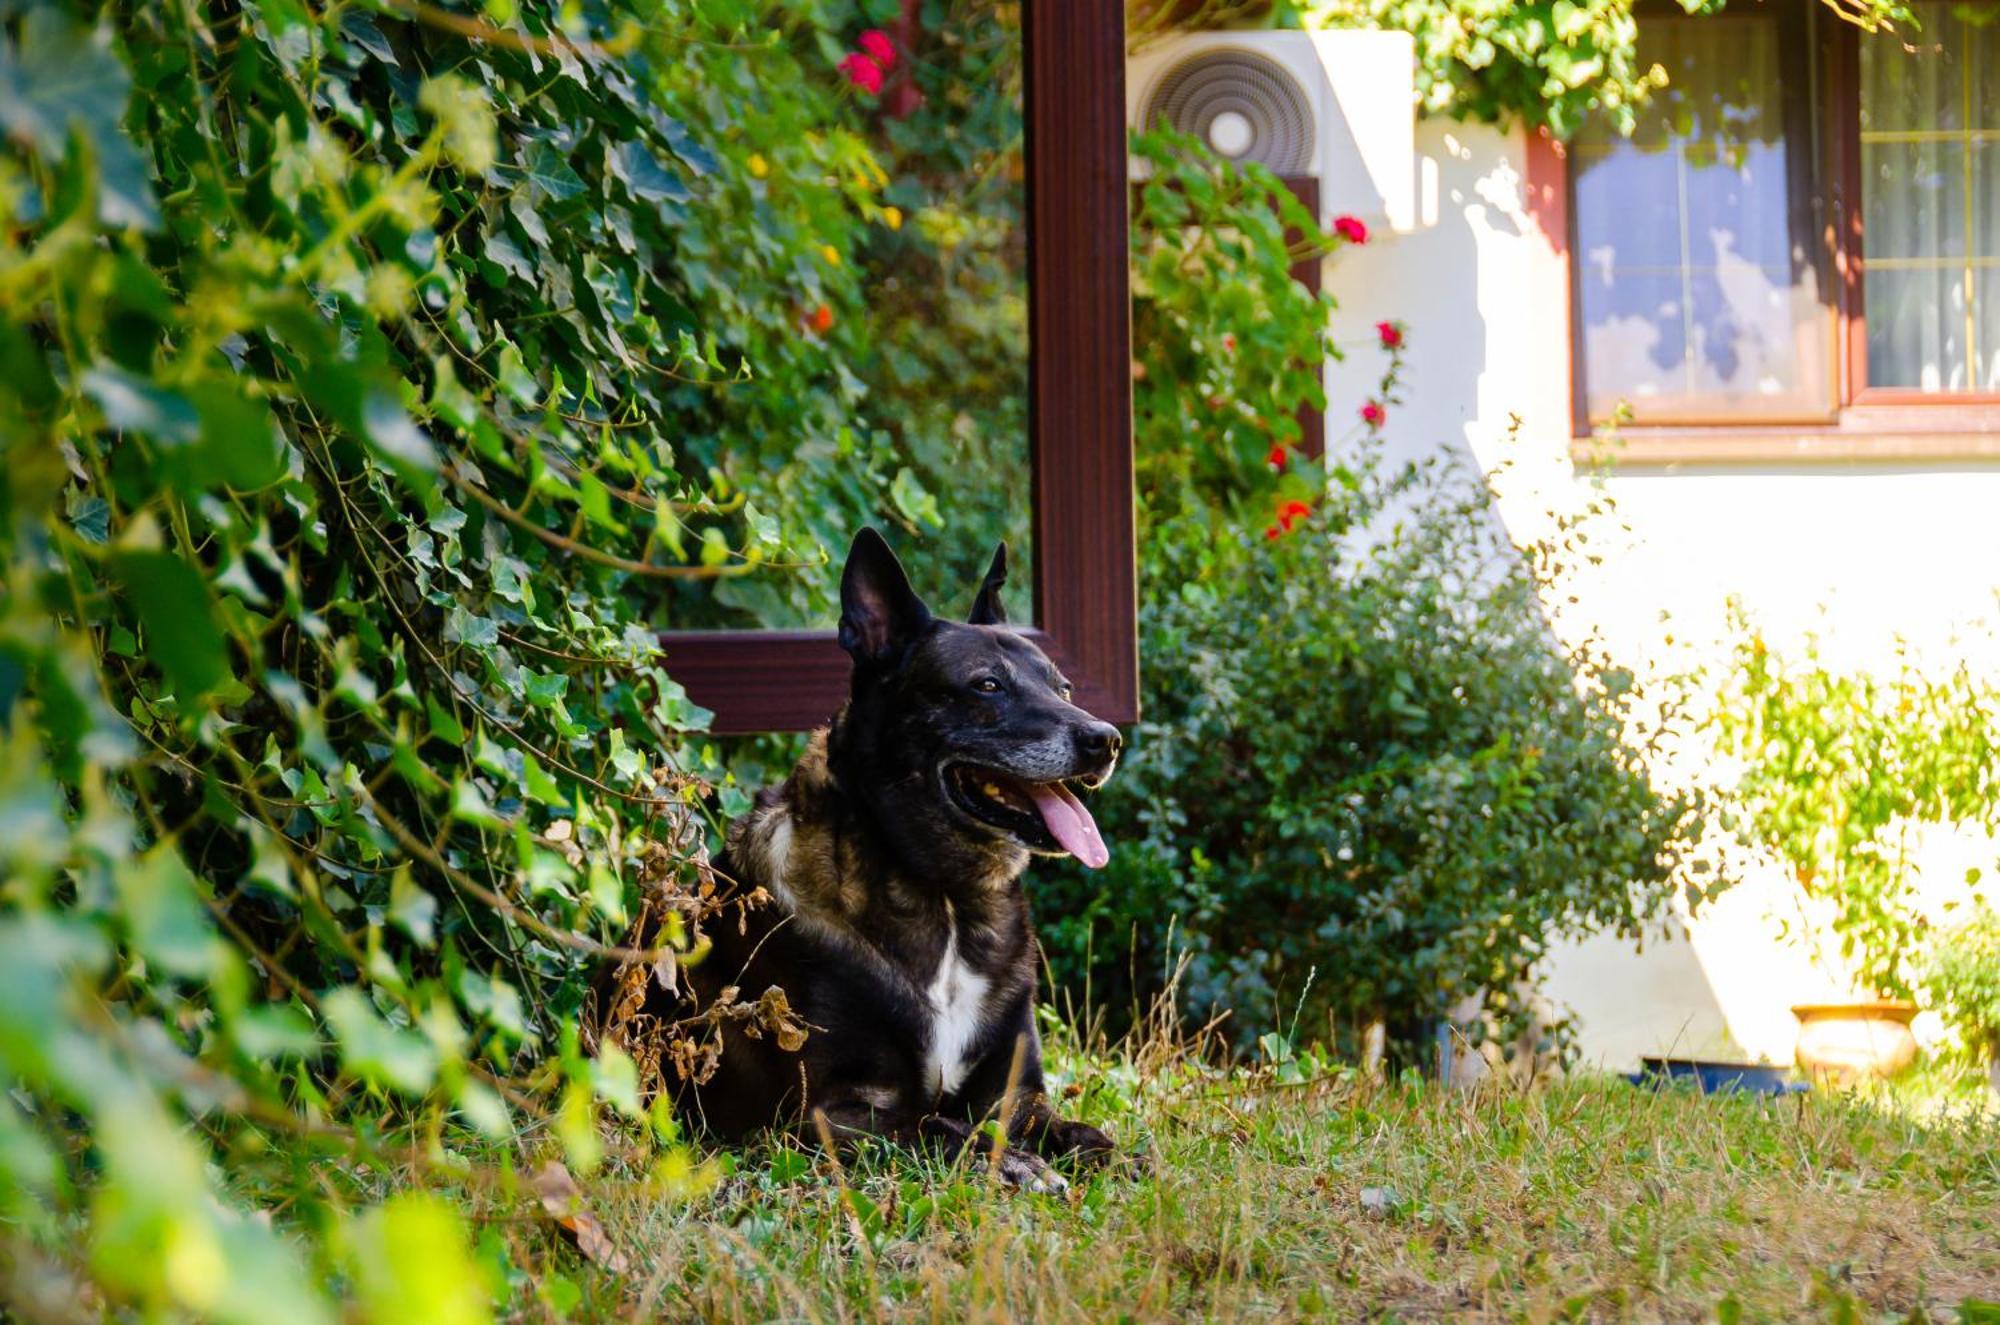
(1044, 816)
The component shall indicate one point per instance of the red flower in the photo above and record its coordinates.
(820, 319)
(1229, 342)
(1350, 229)
(875, 44)
(1278, 458)
(1373, 414)
(1391, 334)
(1272, 531)
(862, 72)
(1292, 512)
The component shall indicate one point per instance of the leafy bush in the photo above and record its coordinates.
(1962, 978)
(1366, 782)
(1837, 767)
(1548, 65)
(373, 382)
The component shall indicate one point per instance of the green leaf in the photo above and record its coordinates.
(399, 443)
(374, 1050)
(240, 443)
(615, 1079)
(132, 404)
(549, 172)
(647, 178)
(163, 910)
(63, 76)
(172, 603)
(412, 908)
(413, 1262)
(89, 516)
(274, 1030)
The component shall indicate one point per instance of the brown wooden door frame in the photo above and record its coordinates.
(1080, 409)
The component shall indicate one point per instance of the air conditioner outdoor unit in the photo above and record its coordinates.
(1339, 107)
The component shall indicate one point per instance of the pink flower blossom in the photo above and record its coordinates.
(1373, 414)
(1391, 334)
(862, 72)
(875, 44)
(1350, 229)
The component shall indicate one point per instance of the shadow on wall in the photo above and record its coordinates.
(1482, 287)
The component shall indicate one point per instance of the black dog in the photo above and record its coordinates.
(894, 851)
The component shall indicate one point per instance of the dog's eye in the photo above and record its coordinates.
(986, 685)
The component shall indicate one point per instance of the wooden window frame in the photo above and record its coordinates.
(1843, 62)
(1884, 424)
(1080, 410)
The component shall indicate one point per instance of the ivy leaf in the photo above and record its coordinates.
(164, 912)
(400, 443)
(89, 516)
(647, 178)
(374, 1050)
(132, 404)
(683, 145)
(413, 909)
(63, 76)
(240, 443)
(917, 505)
(172, 603)
(549, 172)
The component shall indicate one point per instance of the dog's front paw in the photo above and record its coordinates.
(1077, 1141)
(1029, 1172)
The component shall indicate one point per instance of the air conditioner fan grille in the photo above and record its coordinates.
(1193, 94)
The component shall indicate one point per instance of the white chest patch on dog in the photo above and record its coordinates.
(957, 994)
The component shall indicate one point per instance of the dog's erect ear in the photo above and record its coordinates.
(986, 608)
(879, 612)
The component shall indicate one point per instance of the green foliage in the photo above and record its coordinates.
(374, 381)
(1836, 769)
(1962, 978)
(1366, 782)
(1546, 64)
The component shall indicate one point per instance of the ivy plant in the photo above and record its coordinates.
(376, 379)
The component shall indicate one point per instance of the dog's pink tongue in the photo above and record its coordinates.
(1070, 823)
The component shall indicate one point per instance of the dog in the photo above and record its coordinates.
(898, 927)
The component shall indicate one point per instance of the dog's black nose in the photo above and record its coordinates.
(1099, 741)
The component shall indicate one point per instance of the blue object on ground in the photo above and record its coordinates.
(1713, 1078)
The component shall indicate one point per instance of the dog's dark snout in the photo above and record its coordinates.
(1099, 742)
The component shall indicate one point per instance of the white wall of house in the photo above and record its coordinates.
(1860, 552)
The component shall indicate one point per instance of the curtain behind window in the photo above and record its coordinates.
(1930, 154)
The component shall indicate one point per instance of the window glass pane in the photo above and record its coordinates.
(1930, 204)
(1696, 285)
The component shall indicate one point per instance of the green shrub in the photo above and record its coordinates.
(1962, 979)
(1837, 766)
(1366, 781)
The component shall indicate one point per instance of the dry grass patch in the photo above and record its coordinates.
(1338, 1199)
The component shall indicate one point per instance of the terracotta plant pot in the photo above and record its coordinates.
(1844, 1042)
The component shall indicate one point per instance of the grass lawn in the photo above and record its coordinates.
(1337, 1199)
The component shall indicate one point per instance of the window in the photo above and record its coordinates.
(1802, 236)
(1930, 206)
(1696, 279)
